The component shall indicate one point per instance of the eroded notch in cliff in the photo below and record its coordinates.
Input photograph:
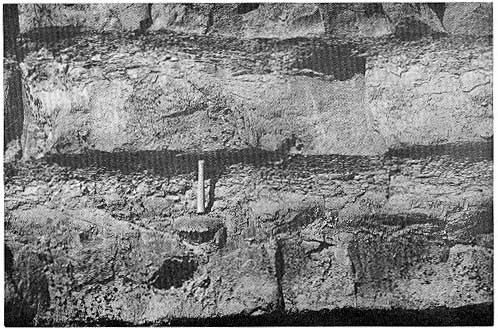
(244, 8)
(339, 61)
(174, 272)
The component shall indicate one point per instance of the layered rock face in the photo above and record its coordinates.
(177, 92)
(170, 91)
(294, 107)
(311, 233)
(267, 19)
(136, 92)
(431, 94)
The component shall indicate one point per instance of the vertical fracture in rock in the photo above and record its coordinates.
(279, 273)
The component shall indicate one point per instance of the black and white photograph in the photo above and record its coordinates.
(247, 164)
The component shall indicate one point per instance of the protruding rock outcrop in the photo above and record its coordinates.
(407, 21)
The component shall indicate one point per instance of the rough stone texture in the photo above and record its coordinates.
(412, 21)
(193, 18)
(266, 19)
(38, 19)
(98, 266)
(404, 20)
(92, 253)
(430, 95)
(409, 258)
(105, 229)
(304, 233)
(174, 91)
(469, 18)
(139, 97)
(26, 285)
(191, 93)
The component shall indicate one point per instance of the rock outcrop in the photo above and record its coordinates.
(152, 91)
(330, 182)
(414, 92)
(304, 234)
(468, 18)
(47, 21)
(174, 91)
(26, 285)
(405, 20)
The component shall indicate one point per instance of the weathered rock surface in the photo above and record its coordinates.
(186, 92)
(49, 21)
(191, 17)
(26, 285)
(102, 230)
(302, 234)
(405, 20)
(180, 93)
(413, 93)
(468, 18)
(268, 20)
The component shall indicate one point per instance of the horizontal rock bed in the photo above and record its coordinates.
(295, 234)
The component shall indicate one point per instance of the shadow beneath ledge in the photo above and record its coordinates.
(170, 162)
(468, 150)
(165, 162)
(475, 315)
(470, 315)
